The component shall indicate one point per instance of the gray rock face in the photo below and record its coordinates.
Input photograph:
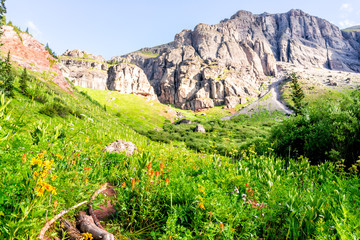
(129, 79)
(217, 64)
(84, 69)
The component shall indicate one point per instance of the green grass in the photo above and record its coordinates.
(227, 138)
(85, 59)
(313, 93)
(150, 54)
(352, 29)
(134, 111)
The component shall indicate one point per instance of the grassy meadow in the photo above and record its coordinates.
(51, 159)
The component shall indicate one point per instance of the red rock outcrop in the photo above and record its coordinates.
(29, 53)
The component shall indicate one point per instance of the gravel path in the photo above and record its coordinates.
(270, 101)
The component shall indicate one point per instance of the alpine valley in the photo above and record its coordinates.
(246, 129)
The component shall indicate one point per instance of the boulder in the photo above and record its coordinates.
(199, 128)
(231, 102)
(121, 146)
(184, 121)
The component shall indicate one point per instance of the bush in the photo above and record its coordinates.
(329, 131)
(55, 108)
(24, 82)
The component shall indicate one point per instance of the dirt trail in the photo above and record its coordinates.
(270, 101)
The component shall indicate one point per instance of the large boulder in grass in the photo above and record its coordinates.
(121, 146)
(199, 128)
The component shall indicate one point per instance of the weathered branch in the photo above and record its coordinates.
(93, 215)
(71, 232)
(86, 224)
(55, 218)
(49, 223)
(100, 190)
(91, 211)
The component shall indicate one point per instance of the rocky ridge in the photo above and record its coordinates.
(28, 53)
(226, 63)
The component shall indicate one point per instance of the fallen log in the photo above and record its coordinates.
(92, 214)
(49, 223)
(91, 211)
(71, 232)
(86, 224)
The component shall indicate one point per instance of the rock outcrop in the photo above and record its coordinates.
(90, 71)
(84, 69)
(129, 79)
(27, 52)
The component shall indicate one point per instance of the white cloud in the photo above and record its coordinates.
(346, 23)
(346, 7)
(33, 28)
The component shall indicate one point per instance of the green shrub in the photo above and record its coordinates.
(328, 131)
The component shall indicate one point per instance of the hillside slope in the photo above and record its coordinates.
(29, 53)
(163, 190)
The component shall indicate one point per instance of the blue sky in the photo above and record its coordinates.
(115, 27)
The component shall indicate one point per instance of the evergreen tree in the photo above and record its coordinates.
(24, 79)
(297, 95)
(6, 77)
(2, 13)
(52, 53)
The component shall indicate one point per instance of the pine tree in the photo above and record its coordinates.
(297, 94)
(2, 13)
(52, 53)
(7, 77)
(24, 79)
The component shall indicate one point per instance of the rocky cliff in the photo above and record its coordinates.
(85, 70)
(90, 71)
(227, 62)
(27, 52)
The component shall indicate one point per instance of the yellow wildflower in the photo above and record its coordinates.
(201, 189)
(54, 178)
(35, 174)
(36, 161)
(88, 236)
(201, 205)
(40, 191)
(47, 164)
(86, 139)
